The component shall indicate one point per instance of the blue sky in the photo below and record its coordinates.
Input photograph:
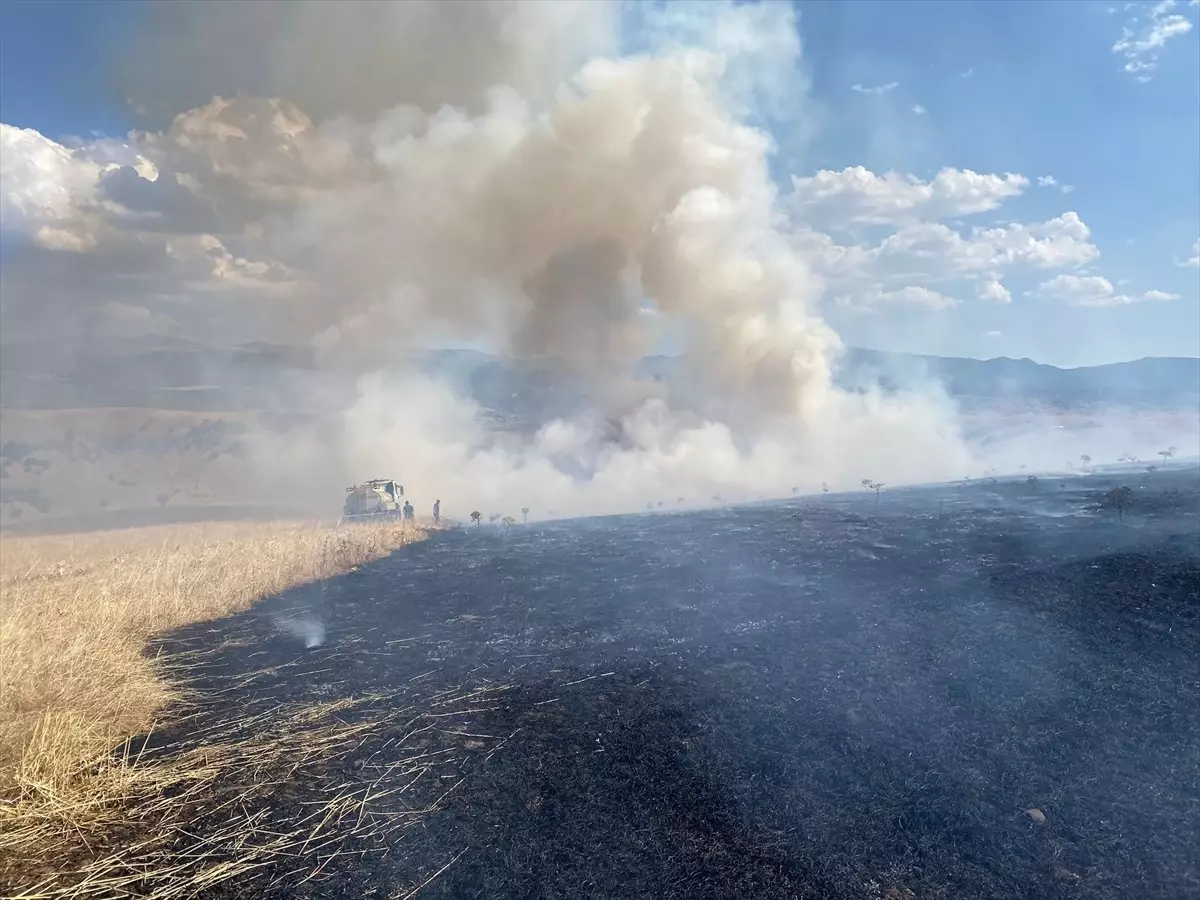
(1033, 88)
(1046, 95)
(54, 64)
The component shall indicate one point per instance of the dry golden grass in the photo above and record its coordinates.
(191, 820)
(76, 613)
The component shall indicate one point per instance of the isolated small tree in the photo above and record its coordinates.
(1031, 480)
(824, 488)
(524, 513)
(876, 486)
(1085, 459)
(493, 518)
(1167, 454)
(508, 520)
(1120, 499)
(477, 517)
(1151, 469)
(795, 490)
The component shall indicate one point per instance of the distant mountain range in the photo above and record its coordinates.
(176, 374)
(1155, 382)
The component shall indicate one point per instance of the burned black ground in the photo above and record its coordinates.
(825, 698)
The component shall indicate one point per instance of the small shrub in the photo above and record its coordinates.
(1120, 499)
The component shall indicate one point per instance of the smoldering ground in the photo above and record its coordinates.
(953, 694)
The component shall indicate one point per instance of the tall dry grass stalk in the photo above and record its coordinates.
(76, 612)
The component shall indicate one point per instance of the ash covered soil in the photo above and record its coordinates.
(980, 691)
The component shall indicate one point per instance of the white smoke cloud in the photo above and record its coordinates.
(370, 174)
(307, 628)
(359, 58)
(418, 427)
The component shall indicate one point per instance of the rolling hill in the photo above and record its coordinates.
(164, 373)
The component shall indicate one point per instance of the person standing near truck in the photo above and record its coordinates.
(437, 511)
(408, 511)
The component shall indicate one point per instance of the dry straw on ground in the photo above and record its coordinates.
(76, 612)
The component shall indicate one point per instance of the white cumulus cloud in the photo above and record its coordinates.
(1093, 290)
(52, 192)
(911, 296)
(857, 193)
(934, 253)
(1064, 241)
(41, 180)
(994, 291)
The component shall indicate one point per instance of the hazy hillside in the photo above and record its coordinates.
(164, 373)
(172, 374)
(165, 426)
(1156, 382)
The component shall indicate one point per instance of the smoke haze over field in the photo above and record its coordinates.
(373, 178)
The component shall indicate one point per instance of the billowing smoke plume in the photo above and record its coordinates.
(374, 177)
